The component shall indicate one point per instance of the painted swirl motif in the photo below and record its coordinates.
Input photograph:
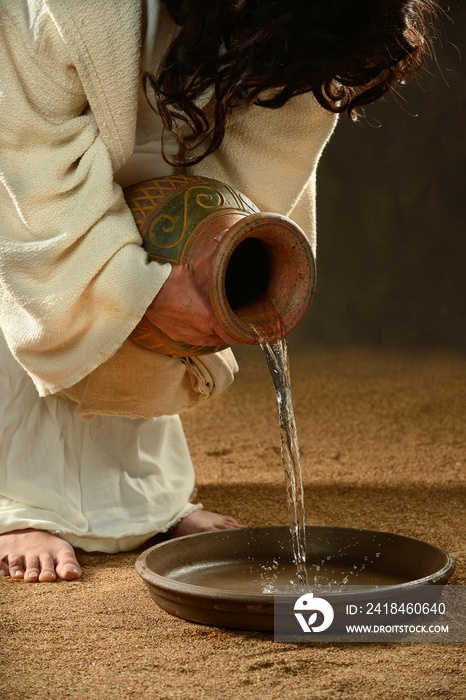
(169, 227)
(214, 203)
(180, 218)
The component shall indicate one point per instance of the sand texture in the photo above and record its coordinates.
(383, 447)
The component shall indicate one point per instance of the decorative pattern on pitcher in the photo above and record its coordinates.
(188, 216)
(150, 194)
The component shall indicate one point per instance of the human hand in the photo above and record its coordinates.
(182, 308)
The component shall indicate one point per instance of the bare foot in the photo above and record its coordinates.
(37, 555)
(202, 521)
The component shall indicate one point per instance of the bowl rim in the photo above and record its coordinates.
(168, 586)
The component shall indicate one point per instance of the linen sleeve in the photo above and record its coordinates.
(74, 279)
(271, 156)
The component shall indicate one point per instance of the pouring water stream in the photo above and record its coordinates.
(277, 359)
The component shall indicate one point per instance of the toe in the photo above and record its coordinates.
(67, 566)
(233, 523)
(47, 568)
(16, 572)
(69, 572)
(227, 523)
(16, 566)
(47, 576)
(32, 571)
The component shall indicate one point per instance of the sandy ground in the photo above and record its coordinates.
(383, 447)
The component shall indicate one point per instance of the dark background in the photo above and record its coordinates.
(391, 215)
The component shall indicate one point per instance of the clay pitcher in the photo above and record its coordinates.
(261, 275)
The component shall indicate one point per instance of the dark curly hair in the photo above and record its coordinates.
(348, 53)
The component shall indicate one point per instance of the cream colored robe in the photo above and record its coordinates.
(74, 280)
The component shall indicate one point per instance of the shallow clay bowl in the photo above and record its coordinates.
(226, 578)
